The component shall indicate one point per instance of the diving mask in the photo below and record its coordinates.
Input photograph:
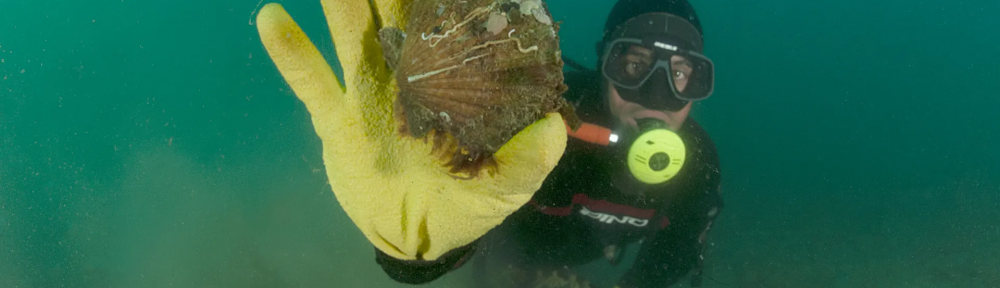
(654, 60)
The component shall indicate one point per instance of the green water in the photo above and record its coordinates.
(154, 144)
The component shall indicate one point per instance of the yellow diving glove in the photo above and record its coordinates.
(394, 189)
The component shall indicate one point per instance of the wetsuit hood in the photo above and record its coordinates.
(625, 10)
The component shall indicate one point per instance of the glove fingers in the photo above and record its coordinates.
(355, 38)
(298, 60)
(392, 13)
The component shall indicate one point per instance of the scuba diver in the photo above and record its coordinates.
(652, 177)
(638, 173)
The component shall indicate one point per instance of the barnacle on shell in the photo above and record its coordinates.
(473, 73)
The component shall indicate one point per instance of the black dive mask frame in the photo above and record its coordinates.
(664, 52)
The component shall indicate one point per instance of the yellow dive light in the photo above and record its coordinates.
(657, 154)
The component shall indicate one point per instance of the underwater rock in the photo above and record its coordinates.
(474, 73)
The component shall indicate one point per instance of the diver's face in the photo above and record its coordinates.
(638, 60)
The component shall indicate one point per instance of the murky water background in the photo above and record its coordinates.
(154, 144)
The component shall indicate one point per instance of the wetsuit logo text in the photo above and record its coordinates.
(609, 219)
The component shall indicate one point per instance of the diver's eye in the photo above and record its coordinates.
(680, 75)
(634, 68)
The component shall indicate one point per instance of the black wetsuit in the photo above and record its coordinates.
(582, 208)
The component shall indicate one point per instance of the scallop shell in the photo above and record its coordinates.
(473, 73)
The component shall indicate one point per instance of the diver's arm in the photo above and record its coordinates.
(422, 271)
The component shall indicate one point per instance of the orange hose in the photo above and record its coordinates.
(591, 133)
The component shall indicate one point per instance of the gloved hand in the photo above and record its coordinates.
(392, 187)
